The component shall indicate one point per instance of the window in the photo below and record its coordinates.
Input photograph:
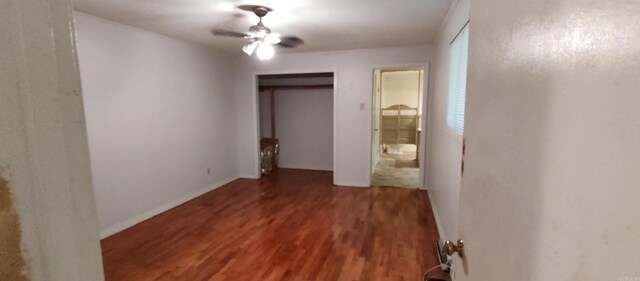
(458, 80)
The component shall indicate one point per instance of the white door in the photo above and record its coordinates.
(551, 187)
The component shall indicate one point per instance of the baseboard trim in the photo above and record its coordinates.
(435, 215)
(249, 176)
(303, 167)
(351, 184)
(161, 209)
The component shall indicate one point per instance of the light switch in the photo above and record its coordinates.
(362, 106)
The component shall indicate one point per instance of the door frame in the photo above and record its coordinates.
(424, 154)
(256, 109)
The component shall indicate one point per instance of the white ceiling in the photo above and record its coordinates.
(324, 25)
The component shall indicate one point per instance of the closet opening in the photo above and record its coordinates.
(296, 120)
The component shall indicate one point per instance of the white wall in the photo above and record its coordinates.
(551, 184)
(159, 114)
(354, 75)
(304, 127)
(402, 87)
(445, 146)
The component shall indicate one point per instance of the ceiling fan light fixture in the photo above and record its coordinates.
(261, 40)
(272, 38)
(250, 48)
(259, 29)
(265, 51)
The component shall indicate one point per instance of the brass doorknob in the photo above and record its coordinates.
(451, 248)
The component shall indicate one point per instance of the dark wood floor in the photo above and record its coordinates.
(294, 225)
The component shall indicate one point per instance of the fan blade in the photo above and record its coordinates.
(290, 41)
(228, 33)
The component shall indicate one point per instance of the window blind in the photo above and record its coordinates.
(458, 80)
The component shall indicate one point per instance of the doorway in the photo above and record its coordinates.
(397, 124)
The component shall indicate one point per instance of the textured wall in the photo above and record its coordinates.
(44, 155)
(550, 190)
(12, 264)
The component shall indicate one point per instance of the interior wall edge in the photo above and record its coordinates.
(444, 153)
(44, 157)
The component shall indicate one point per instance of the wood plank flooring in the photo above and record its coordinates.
(293, 225)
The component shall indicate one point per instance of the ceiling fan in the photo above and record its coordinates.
(260, 37)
